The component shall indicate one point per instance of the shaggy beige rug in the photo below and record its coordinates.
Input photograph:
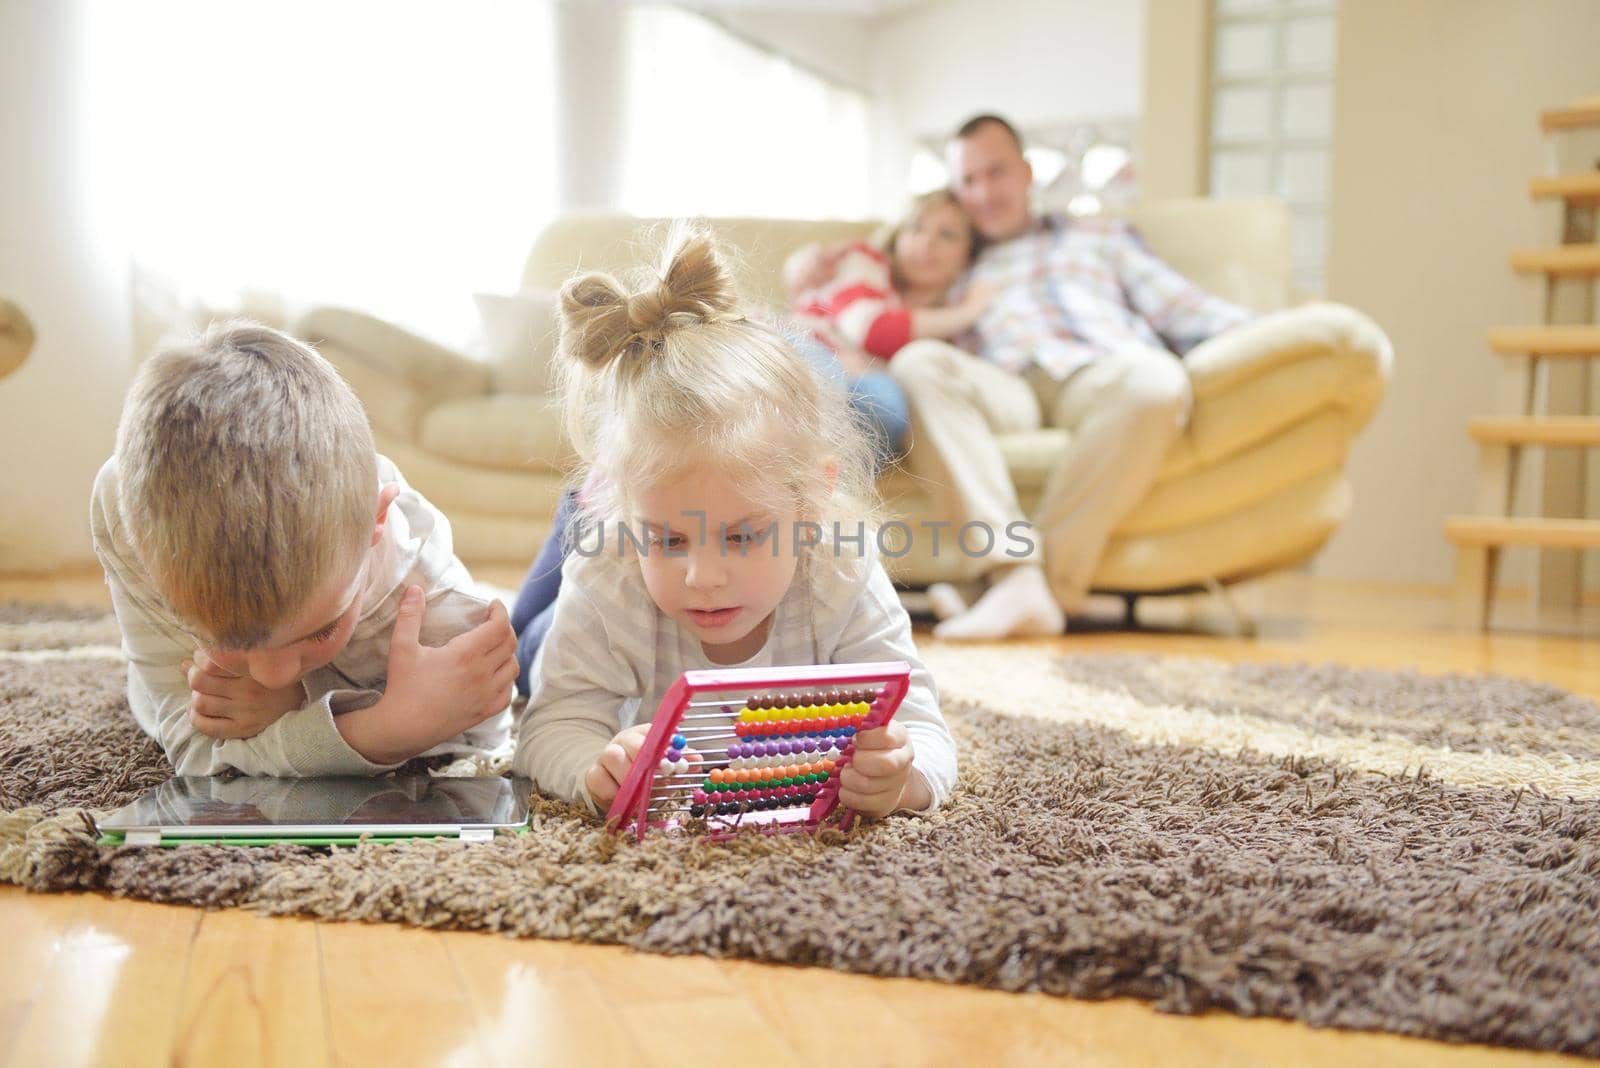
(1358, 849)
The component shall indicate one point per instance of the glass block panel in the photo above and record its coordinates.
(1241, 113)
(1245, 48)
(1311, 280)
(1307, 111)
(1241, 173)
(1308, 43)
(1303, 175)
(1308, 239)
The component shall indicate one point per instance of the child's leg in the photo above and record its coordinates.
(529, 638)
(543, 581)
(881, 401)
(875, 397)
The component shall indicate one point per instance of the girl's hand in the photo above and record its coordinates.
(811, 266)
(881, 776)
(605, 775)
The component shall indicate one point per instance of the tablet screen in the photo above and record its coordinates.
(215, 805)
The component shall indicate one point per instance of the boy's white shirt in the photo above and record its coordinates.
(416, 549)
(611, 655)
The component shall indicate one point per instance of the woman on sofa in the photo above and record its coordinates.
(867, 301)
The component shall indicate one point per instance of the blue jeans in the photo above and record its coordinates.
(536, 600)
(876, 398)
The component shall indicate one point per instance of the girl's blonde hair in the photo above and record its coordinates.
(668, 376)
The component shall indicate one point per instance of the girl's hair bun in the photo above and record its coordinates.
(601, 322)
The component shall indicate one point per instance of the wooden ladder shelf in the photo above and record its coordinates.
(1503, 439)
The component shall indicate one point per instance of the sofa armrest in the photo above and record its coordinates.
(398, 375)
(435, 370)
(1258, 378)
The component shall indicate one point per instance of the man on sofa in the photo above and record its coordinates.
(1084, 335)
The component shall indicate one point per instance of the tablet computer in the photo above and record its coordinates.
(257, 810)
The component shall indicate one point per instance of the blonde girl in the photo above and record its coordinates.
(726, 520)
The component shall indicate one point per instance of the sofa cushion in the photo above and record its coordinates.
(458, 488)
(519, 334)
(434, 371)
(1237, 249)
(619, 243)
(392, 402)
(1277, 531)
(1031, 455)
(508, 430)
(1308, 449)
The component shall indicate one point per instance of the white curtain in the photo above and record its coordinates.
(717, 126)
(393, 156)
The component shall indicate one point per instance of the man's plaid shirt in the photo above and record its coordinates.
(1072, 289)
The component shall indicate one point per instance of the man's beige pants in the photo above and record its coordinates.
(1124, 411)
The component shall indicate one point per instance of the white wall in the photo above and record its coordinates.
(1037, 62)
(58, 411)
(1436, 134)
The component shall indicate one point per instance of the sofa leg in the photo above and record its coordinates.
(1130, 611)
(1242, 623)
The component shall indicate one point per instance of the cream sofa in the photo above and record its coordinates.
(1256, 482)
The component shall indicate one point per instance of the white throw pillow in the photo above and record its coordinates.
(519, 336)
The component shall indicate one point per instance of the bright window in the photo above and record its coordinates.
(392, 156)
(717, 126)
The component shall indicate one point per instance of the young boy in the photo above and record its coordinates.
(288, 605)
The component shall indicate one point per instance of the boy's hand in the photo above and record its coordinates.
(225, 705)
(879, 778)
(433, 694)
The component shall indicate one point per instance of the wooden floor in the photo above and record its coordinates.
(87, 979)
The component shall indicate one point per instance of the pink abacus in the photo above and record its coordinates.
(755, 746)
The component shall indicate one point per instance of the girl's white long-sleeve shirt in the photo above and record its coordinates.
(611, 655)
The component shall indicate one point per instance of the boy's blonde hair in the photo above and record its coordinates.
(247, 477)
(670, 375)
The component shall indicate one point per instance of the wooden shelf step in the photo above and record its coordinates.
(1568, 430)
(1560, 260)
(1544, 533)
(1546, 340)
(1584, 113)
(1580, 188)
